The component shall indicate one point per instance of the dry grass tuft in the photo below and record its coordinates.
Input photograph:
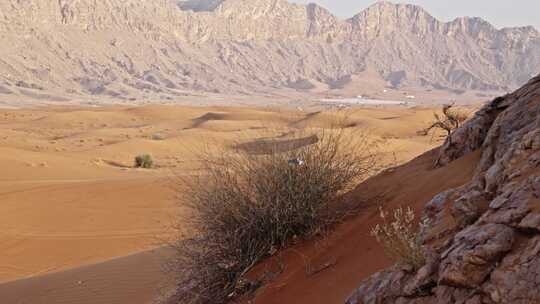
(400, 237)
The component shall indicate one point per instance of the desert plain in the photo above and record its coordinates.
(72, 203)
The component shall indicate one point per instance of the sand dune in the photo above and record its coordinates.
(351, 252)
(69, 196)
(137, 278)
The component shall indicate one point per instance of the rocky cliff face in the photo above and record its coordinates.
(114, 47)
(490, 251)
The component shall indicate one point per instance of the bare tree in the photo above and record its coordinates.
(450, 120)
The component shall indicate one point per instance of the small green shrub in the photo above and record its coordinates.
(144, 161)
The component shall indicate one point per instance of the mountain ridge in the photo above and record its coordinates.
(168, 48)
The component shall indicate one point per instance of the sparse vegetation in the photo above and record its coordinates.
(450, 120)
(144, 161)
(249, 205)
(400, 237)
(157, 136)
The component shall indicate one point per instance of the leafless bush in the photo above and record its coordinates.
(248, 205)
(450, 120)
(400, 237)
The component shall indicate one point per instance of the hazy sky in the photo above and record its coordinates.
(501, 13)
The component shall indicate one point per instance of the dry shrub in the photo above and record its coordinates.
(248, 205)
(450, 120)
(400, 237)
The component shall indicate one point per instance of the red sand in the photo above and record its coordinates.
(356, 254)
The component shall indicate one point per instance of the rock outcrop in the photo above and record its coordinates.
(491, 252)
(167, 47)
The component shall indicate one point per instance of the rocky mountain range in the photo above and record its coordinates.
(165, 48)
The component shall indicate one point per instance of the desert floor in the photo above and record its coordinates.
(75, 216)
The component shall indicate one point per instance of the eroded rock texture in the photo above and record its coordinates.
(491, 252)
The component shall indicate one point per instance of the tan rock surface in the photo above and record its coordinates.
(164, 50)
